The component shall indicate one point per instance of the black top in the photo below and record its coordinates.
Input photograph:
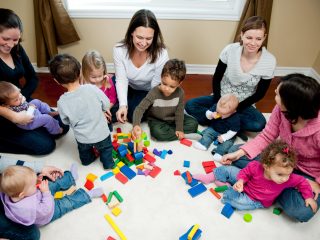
(261, 90)
(23, 69)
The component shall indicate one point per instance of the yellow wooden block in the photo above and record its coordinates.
(116, 211)
(58, 195)
(193, 231)
(91, 177)
(115, 170)
(120, 164)
(140, 166)
(71, 190)
(115, 227)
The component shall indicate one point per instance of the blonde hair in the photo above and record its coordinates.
(229, 100)
(94, 60)
(14, 180)
(6, 89)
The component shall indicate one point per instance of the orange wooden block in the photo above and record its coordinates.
(215, 193)
(189, 177)
(104, 198)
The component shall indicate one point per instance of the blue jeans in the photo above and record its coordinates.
(33, 142)
(251, 119)
(209, 135)
(104, 147)
(240, 201)
(290, 199)
(69, 202)
(134, 98)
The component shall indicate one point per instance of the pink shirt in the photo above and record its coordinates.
(306, 141)
(258, 188)
(110, 92)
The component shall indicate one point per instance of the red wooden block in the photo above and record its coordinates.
(122, 178)
(186, 142)
(149, 158)
(89, 185)
(118, 130)
(208, 169)
(189, 177)
(177, 173)
(155, 171)
(115, 145)
(209, 164)
(129, 157)
(104, 198)
(110, 238)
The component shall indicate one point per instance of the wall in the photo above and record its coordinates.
(293, 37)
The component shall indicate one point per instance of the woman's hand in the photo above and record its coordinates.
(315, 188)
(51, 172)
(23, 118)
(227, 159)
(108, 116)
(122, 114)
(310, 202)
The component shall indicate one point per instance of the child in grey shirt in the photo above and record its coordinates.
(86, 109)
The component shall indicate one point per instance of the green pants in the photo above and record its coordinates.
(166, 131)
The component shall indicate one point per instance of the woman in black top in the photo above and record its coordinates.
(15, 67)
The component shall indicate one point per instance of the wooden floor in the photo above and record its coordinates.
(195, 85)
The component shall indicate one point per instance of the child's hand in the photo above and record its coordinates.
(238, 186)
(54, 113)
(312, 203)
(220, 139)
(179, 134)
(44, 186)
(136, 132)
(108, 115)
(216, 115)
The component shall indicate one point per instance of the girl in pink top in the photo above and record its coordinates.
(295, 120)
(259, 184)
(94, 71)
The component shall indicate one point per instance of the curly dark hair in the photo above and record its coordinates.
(174, 68)
(287, 156)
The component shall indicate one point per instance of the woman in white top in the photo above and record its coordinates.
(138, 61)
(245, 69)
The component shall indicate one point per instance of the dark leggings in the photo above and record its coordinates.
(33, 142)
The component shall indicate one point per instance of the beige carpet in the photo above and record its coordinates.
(161, 208)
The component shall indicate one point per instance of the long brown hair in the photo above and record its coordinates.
(145, 18)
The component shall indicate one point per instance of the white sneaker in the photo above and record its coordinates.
(199, 146)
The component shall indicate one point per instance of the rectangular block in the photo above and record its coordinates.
(193, 182)
(186, 142)
(196, 190)
(128, 172)
(149, 158)
(106, 176)
(122, 178)
(155, 171)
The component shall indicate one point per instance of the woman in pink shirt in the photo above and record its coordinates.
(295, 120)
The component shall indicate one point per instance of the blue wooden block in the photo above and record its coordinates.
(194, 181)
(121, 148)
(123, 152)
(197, 235)
(138, 155)
(163, 154)
(156, 152)
(196, 190)
(128, 172)
(227, 210)
(186, 163)
(185, 236)
(106, 176)
(130, 146)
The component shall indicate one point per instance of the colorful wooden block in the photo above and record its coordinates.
(196, 190)
(215, 193)
(193, 231)
(58, 195)
(177, 173)
(91, 177)
(186, 163)
(193, 182)
(154, 172)
(186, 142)
(128, 172)
(121, 178)
(221, 188)
(115, 227)
(116, 211)
(117, 195)
(149, 158)
(106, 176)
(89, 185)
(227, 210)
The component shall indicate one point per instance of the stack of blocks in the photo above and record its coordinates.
(193, 233)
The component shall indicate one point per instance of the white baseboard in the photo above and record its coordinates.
(210, 69)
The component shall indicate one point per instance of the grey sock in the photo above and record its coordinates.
(95, 193)
(74, 171)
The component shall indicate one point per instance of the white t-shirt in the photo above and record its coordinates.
(235, 81)
(143, 78)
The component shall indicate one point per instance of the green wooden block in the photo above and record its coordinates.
(221, 188)
(277, 211)
(117, 195)
(138, 161)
